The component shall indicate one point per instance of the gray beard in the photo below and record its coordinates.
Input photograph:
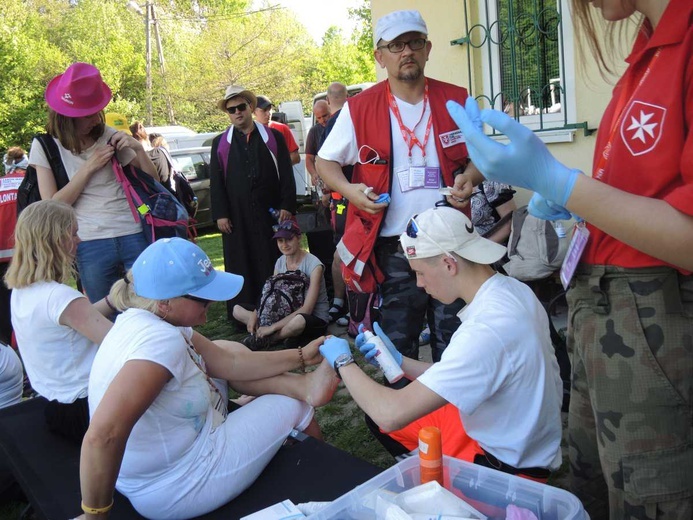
(412, 75)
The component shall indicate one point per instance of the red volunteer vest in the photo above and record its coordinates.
(370, 114)
(8, 212)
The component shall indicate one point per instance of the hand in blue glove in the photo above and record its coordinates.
(369, 350)
(525, 162)
(333, 347)
(545, 209)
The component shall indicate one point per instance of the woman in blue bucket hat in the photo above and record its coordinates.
(160, 432)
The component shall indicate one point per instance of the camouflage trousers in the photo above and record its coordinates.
(630, 336)
(405, 306)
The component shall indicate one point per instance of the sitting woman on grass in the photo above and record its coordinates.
(160, 432)
(308, 316)
(57, 330)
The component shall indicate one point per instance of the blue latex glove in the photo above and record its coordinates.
(545, 209)
(369, 350)
(525, 162)
(333, 347)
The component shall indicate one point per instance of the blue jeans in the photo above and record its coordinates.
(102, 261)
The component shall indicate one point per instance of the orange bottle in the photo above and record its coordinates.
(430, 455)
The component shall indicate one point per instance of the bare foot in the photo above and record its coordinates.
(321, 385)
(243, 400)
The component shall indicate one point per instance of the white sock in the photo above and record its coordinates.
(337, 302)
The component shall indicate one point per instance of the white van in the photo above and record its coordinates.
(294, 119)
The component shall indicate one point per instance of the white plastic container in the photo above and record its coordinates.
(391, 369)
(487, 490)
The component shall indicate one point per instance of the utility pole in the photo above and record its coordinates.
(148, 40)
(162, 67)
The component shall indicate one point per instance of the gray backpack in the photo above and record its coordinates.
(535, 250)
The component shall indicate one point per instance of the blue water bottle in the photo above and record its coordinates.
(275, 213)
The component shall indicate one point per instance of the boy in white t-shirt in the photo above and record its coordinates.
(496, 392)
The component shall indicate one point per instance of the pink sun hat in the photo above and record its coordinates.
(78, 92)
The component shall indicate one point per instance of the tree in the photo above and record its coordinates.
(208, 44)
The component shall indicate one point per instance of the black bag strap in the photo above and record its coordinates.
(50, 148)
(501, 222)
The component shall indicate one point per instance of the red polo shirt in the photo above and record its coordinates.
(287, 133)
(651, 152)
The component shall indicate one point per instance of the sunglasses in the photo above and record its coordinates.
(203, 301)
(398, 46)
(240, 108)
(284, 224)
(413, 231)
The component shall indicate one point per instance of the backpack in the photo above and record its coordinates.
(282, 294)
(534, 248)
(28, 191)
(363, 308)
(160, 212)
(184, 193)
(225, 146)
(178, 183)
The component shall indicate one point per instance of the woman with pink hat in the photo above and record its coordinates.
(111, 239)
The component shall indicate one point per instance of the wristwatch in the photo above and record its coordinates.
(342, 361)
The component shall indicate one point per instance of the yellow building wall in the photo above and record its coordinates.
(446, 22)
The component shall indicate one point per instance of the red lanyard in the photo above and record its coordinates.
(629, 92)
(409, 136)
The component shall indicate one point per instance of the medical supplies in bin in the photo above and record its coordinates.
(487, 491)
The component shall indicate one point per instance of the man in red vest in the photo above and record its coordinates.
(404, 147)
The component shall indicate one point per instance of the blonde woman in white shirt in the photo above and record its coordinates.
(57, 330)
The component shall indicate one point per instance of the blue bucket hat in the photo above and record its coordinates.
(173, 267)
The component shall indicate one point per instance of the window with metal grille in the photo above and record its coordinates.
(520, 59)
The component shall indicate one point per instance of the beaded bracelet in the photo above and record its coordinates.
(108, 302)
(97, 510)
(303, 363)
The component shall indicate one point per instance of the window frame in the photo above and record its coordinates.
(491, 70)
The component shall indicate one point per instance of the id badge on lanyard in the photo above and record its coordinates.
(572, 257)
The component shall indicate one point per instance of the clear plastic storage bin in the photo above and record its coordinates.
(487, 490)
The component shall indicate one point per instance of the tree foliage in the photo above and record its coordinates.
(207, 45)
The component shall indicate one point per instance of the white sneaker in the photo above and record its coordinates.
(425, 336)
(343, 321)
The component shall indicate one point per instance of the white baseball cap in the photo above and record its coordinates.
(395, 23)
(443, 230)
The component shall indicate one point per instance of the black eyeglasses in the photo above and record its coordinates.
(413, 231)
(240, 108)
(398, 46)
(203, 301)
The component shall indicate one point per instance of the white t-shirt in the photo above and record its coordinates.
(500, 371)
(308, 265)
(57, 358)
(102, 209)
(167, 440)
(340, 146)
(11, 377)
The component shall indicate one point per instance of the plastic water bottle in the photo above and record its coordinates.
(275, 213)
(430, 455)
(560, 230)
(391, 369)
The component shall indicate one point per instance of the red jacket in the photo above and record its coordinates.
(370, 114)
(8, 212)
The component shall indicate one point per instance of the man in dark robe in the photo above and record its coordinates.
(258, 176)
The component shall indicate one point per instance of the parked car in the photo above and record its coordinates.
(194, 164)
